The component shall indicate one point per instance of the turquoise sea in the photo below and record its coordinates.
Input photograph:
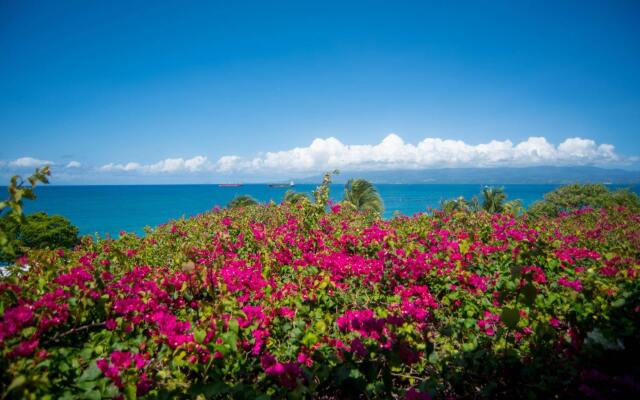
(111, 209)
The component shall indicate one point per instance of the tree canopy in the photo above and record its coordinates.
(578, 196)
(242, 201)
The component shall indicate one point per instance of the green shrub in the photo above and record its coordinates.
(242, 201)
(11, 210)
(39, 231)
(577, 196)
(291, 301)
(48, 231)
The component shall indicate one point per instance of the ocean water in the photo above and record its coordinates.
(111, 209)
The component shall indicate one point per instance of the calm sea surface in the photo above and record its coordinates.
(111, 209)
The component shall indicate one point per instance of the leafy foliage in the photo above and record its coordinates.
(362, 195)
(242, 201)
(11, 209)
(294, 197)
(493, 199)
(460, 204)
(513, 207)
(48, 231)
(275, 301)
(577, 196)
(321, 194)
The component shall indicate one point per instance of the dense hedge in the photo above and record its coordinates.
(276, 301)
(38, 231)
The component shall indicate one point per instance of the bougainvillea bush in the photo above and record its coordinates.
(294, 301)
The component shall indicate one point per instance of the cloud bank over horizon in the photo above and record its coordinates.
(392, 153)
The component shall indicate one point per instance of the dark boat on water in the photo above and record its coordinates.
(229, 184)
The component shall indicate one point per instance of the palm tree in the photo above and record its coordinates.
(294, 197)
(242, 201)
(474, 204)
(459, 204)
(363, 195)
(493, 199)
(513, 207)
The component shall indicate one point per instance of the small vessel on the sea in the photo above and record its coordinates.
(229, 184)
(281, 185)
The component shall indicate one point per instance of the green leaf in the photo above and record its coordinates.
(355, 373)
(92, 395)
(309, 339)
(231, 339)
(130, 392)
(17, 382)
(91, 373)
(471, 345)
(618, 303)
(529, 292)
(510, 317)
(199, 335)
(233, 326)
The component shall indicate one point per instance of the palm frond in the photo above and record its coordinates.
(363, 195)
(294, 197)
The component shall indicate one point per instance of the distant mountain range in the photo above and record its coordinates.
(526, 175)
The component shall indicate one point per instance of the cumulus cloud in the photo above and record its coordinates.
(29, 162)
(132, 166)
(169, 165)
(394, 153)
(73, 164)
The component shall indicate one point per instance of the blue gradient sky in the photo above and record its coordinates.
(131, 81)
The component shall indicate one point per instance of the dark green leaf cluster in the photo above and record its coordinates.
(242, 201)
(38, 231)
(294, 197)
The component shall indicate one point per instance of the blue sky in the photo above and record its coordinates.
(189, 91)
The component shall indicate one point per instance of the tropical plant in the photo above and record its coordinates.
(42, 231)
(39, 231)
(493, 199)
(577, 196)
(513, 207)
(242, 201)
(474, 204)
(294, 197)
(285, 302)
(459, 204)
(321, 193)
(362, 195)
(11, 209)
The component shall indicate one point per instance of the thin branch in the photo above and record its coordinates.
(59, 336)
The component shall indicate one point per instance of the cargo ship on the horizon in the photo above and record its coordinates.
(229, 184)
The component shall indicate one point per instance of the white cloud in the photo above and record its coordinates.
(195, 164)
(29, 162)
(393, 153)
(73, 164)
(120, 167)
(169, 165)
